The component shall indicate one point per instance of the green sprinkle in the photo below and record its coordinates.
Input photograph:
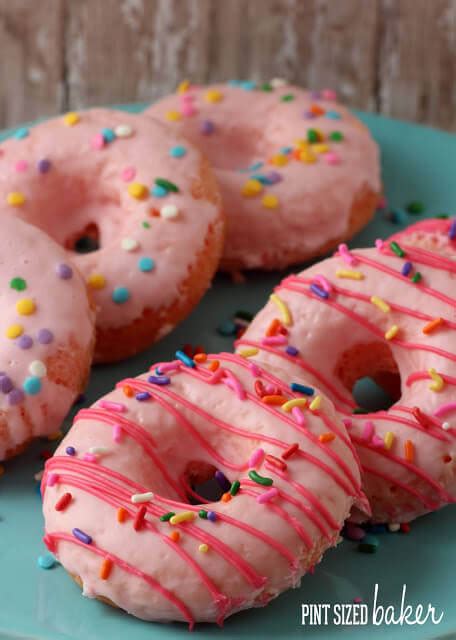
(167, 516)
(266, 87)
(312, 135)
(19, 284)
(166, 184)
(369, 544)
(235, 487)
(266, 482)
(287, 97)
(397, 249)
(202, 514)
(336, 136)
(415, 207)
(146, 225)
(359, 410)
(417, 277)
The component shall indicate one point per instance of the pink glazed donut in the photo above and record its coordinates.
(297, 171)
(121, 507)
(388, 313)
(144, 196)
(46, 335)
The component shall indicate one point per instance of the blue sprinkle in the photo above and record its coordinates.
(292, 351)
(212, 516)
(406, 268)
(222, 480)
(234, 83)
(160, 380)
(120, 295)
(247, 85)
(82, 536)
(158, 191)
(146, 264)
(177, 152)
(47, 561)
(377, 528)
(32, 385)
(256, 165)
(21, 133)
(142, 396)
(302, 388)
(452, 231)
(108, 135)
(183, 357)
(319, 291)
(286, 150)
(261, 178)
(333, 115)
(70, 451)
(227, 328)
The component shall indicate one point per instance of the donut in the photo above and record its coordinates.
(297, 171)
(387, 313)
(121, 500)
(143, 199)
(47, 331)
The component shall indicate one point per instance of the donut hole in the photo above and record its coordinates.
(199, 480)
(87, 241)
(370, 372)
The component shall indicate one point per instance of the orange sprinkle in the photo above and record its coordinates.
(226, 497)
(273, 328)
(200, 357)
(128, 391)
(326, 437)
(277, 400)
(317, 110)
(296, 154)
(121, 514)
(214, 365)
(409, 450)
(174, 535)
(154, 213)
(433, 324)
(105, 569)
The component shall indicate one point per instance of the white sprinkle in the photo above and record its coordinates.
(123, 131)
(393, 527)
(37, 368)
(446, 426)
(169, 211)
(98, 451)
(142, 497)
(276, 83)
(129, 244)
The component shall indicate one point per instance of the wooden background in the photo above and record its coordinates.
(397, 57)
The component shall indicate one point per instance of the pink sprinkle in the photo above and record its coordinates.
(97, 141)
(298, 415)
(119, 407)
(332, 157)
(90, 457)
(379, 244)
(271, 390)
(116, 433)
(186, 97)
(329, 94)
(216, 376)
(445, 408)
(357, 600)
(378, 442)
(187, 109)
(368, 430)
(128, 174)
(256, 457)
(52, 479)
(274, 340)
(21, 165)
(346, 255)
(255, 370)
(233, 383)
(167, 366)
(347, 423)
(267, 495)
(323, 282)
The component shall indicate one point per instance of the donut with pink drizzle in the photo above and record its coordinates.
(297, 171)
(388, 313)
(140, 197)
(46, 335)
(123, 515)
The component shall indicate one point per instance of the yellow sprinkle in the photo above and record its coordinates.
(173, 116)
(213, 95)
(96, 281)
(315, 404)
(295, 402)
(14, 331)
(71, 118)
(270, 201)
(25, 307)
(280, 160)
(183, 86)
(320, 148)
(283, 308)
(438, 382)
(389, 439)
(301, 144)
(58, 435)
(203, 548)
(381, 304)
(183, 516)
(351, 275)
(252, 188)
(392, 332)
(247, 353)
(308, 157)
(137, 190)
(15, 199)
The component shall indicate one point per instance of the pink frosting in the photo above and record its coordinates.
(253, 126)
(94, 177)
(56, 334)
(264, 538)
(335, 336)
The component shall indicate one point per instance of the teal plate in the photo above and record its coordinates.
(418, 164)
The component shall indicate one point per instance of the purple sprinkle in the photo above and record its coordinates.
(315, 95)
(160, 380)
(45, 336)
(223, 481)
(319, 291)
(309, 115)
(44, 165)
(143, 395)
(212, 516)
(274, 177)
(70, 451)
(452, 231)
(64, 271)
(16, 396)
(292, 351)
(24, 342)
(407, 267)
(6, 384)
(83, 537)
(207, 127)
